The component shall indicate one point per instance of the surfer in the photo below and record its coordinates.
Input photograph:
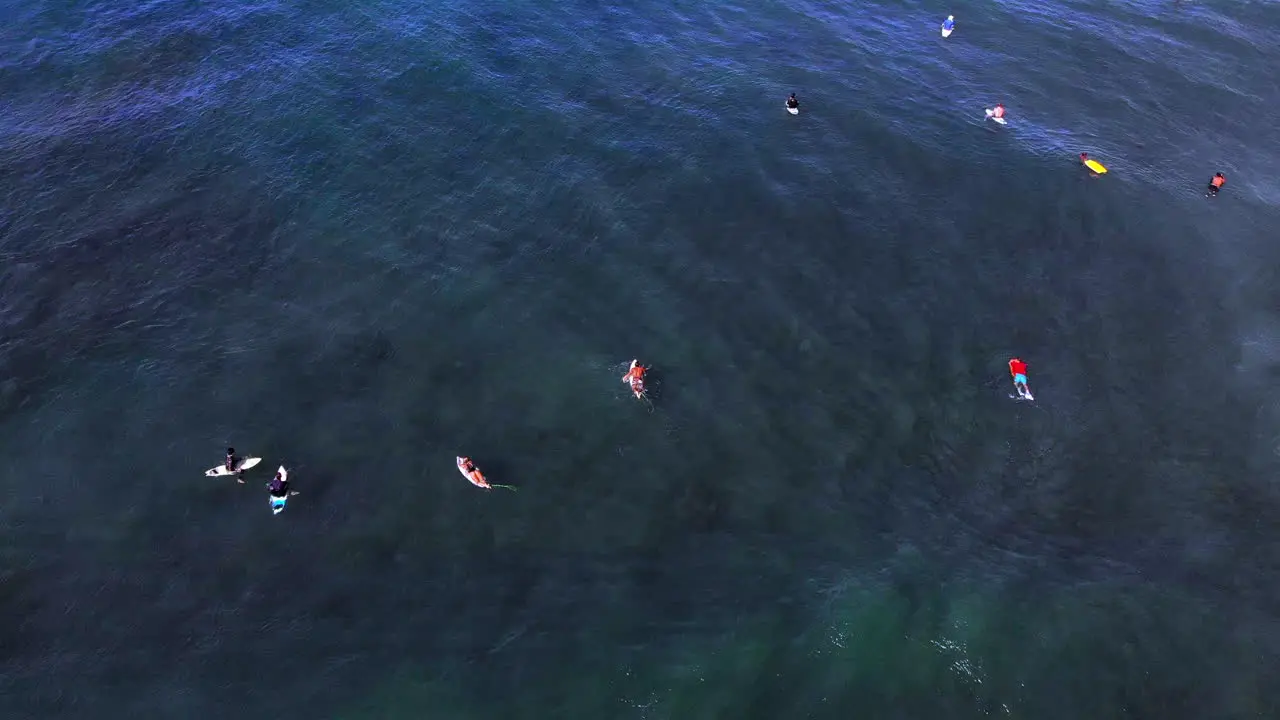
(997, 113)
(793, 103)
(635, 376)
(1215, 184)
(233, 464)
(1094, 166)
(472, 473)
(1018, 370)
(949, 24)
(279, 485)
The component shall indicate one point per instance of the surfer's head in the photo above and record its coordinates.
(231, 451)
(951, 17)
(1084, 156)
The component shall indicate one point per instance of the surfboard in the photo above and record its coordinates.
(990, 116)
(793, 110)
(277, 503)
(245, 464)
(946, 32)
(1096, 166)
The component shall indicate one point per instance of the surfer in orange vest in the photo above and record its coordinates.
(1215, 184)
(635, 378)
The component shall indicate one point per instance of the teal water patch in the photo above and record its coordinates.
(1106, 650)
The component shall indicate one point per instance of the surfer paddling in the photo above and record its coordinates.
(472, 473)
(1215, 184)
(1018, 370)
(475, 477)
(635, 376)
(1094, 166)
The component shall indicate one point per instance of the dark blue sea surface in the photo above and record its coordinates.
(360, 239)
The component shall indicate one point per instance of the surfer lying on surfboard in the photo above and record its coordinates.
(1094, 165)
(635, 376)
(1215, 184)
(473, 474)
(1018, 370)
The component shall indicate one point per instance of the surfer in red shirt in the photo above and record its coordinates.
(635, 378)
(1018, 370)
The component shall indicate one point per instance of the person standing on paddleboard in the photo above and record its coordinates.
(1215, 184)
(1018, 370)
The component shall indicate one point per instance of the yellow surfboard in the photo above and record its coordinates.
(1096, 166)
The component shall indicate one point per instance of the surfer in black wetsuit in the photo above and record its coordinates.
(233, 465)
(792, 102)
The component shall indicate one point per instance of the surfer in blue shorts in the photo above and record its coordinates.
(1018, 370)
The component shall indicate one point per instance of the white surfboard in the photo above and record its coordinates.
(991, 116)
(793, 110)
(245, 464)
(946, 32)
(278, 503)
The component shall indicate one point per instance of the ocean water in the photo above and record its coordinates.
(359, 239)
